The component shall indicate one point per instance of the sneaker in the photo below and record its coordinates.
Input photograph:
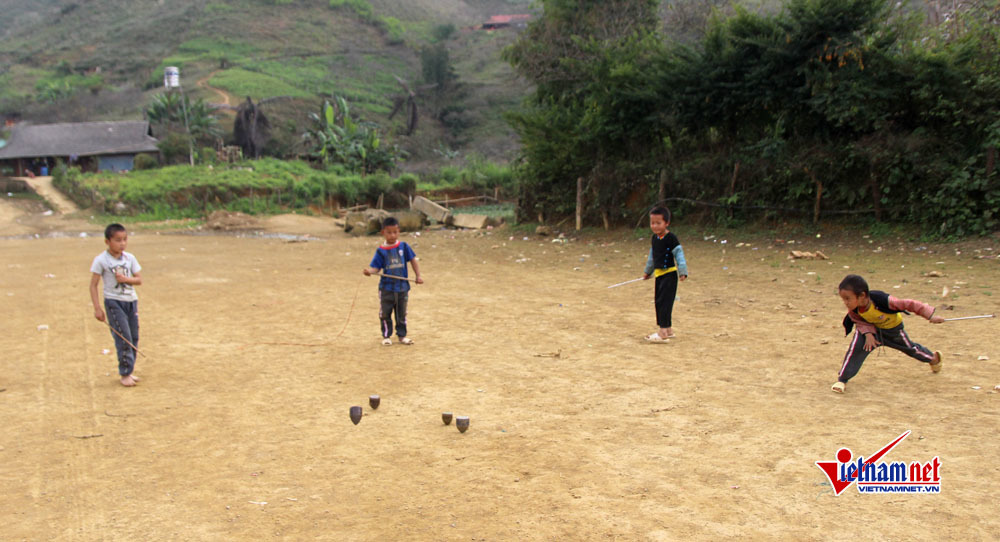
(838, 387)
(406, 340)
(387, 342)
(936, 364)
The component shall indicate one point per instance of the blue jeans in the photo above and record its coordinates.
(123, 317)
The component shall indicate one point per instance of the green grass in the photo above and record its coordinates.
(24, 195)
(499, 210)
(242, 82)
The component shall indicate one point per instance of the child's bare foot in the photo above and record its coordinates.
(128, 381)
(135, 377)
(667, 333)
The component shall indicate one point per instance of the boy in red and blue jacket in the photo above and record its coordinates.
(390, 259)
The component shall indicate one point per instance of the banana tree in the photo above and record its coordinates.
(336, 138)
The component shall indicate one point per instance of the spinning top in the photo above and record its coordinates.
(355, 414)
(446, 418)
(462, 423)
(374, 401)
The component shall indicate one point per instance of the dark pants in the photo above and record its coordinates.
(666, 291)
(123, 317)
(893, 338)
(392, 301)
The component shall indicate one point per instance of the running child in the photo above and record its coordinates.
(877, 316)
(666, 263)
(121, 274)
(391, 259)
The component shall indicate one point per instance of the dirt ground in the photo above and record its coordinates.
(257, 346)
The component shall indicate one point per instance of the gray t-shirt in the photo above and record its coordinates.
(106, 265)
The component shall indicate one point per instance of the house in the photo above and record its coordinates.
(505, 21)
(93, 146)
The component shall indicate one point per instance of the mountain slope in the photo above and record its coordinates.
(95, 59)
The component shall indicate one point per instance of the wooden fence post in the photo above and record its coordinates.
(579, 203)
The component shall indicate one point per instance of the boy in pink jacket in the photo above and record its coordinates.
(877, 316)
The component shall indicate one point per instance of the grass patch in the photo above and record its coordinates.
(243, 82)
(498, 210)
(260, 187)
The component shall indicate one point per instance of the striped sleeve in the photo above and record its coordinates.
(911, 305)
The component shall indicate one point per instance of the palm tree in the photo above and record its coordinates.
(173, 112)
(408, 103)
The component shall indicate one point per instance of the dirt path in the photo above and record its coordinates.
(224, 97)
(580, 430)
(44, 188)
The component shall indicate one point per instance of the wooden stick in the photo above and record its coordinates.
(394, 277)
(970, 317)
(115, 331)
(626, 282)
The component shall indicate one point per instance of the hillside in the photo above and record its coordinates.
(74, 60)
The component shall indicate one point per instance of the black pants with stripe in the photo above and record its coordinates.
(389, 302)
(893, 338)
(666, 291)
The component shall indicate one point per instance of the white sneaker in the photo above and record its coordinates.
(838, 387)
(387, 342)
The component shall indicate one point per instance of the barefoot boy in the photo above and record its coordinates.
(120, 271)
(391, 259)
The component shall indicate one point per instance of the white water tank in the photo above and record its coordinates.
(171, 77)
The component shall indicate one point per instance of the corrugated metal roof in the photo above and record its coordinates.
(79, 139)
(507, 19)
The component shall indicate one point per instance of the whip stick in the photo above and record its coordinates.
(393, 277)
(970, 317)
(626, 282)
(115, 331)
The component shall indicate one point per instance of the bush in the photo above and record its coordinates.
(262, 186)
(405, 184)
(145, 161)
(394, 30)
(174, 148)
(361, 7)
(442, 32)
(208, 155)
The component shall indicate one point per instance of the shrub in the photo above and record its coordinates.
(442, 32)
(394, 30)
(145, 161)
(174, 148)
(208, 155)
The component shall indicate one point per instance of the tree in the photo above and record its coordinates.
(173, 113)
(251, 128)
(593, 113)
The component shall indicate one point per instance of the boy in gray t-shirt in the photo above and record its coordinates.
(121, 274)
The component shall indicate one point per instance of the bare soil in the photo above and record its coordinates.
(257, 346)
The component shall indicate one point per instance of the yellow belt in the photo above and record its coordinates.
(661, 272)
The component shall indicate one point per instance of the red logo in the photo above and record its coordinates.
(874, 476)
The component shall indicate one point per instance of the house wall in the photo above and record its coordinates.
(116, 162)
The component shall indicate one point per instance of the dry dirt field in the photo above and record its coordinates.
(256, 347)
